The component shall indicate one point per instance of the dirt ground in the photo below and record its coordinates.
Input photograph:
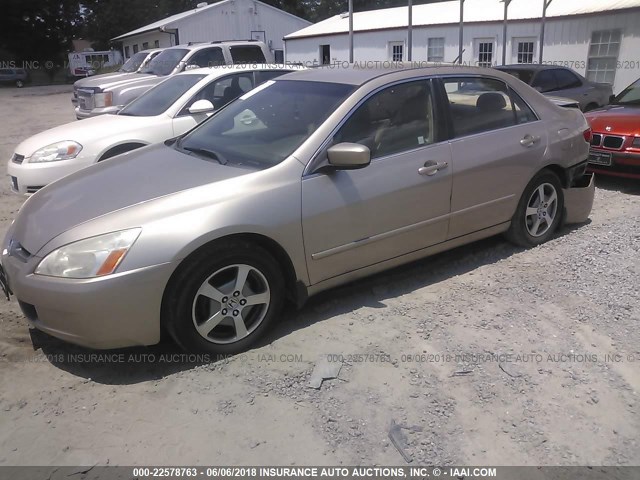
(487, 354)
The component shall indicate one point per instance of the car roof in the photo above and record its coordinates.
(248, 67)
(199, 45)
(528, 66)
(357, 75)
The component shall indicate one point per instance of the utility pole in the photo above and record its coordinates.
(410, 31)
(350, 31)
(545, 5)
(461, 39)
(504, 32)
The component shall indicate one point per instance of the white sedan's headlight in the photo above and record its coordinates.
(65, 150)
(93, 257)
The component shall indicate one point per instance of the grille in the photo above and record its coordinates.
(596, 139)
(16, 158)
(611, 141)
(34, 189)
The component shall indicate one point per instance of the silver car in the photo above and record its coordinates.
(309, 181)
(562, 82)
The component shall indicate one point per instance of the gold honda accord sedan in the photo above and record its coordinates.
(307, 182)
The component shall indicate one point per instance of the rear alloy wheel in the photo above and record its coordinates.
(221, 301)
(539, 211)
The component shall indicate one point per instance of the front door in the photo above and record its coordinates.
(396, 205)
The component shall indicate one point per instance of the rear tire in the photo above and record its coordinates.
(223, 299)
(539, 211)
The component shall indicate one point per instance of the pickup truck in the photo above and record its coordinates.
(102, 95)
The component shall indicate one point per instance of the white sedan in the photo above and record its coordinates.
(169, 109)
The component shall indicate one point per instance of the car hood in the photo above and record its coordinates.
(99, 82)
(623, 120)
(130, 179)
(85, 131)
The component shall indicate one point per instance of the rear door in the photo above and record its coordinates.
(497, 141)
(394, 206)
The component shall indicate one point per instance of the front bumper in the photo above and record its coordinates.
(82, 114)
(27, 178)
(114, 311)
(623, 164)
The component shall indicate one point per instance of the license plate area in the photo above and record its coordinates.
(600, 158)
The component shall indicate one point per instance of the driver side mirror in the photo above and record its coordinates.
(201, 106)
(349, 156)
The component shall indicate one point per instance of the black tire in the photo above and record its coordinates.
(181, 302)
(120, 149)
(519, 231)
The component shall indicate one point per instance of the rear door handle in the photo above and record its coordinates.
(529, 141)
(431, 168)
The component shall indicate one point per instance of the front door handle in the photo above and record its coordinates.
(529, 141)
(431, 168)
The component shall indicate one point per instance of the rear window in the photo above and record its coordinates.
(521, 74)
(247, 54)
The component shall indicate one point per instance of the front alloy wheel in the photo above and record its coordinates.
(223, 298)
(541, 210)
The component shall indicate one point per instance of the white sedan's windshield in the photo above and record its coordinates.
(266, 125)
(161, 97)
(630, 95)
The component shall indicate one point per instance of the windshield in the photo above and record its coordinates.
(521, 74)
(165, 62)
(630, 95)
(134, 63)
(267, 124)
(161, 97)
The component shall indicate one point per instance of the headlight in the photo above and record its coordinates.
(65, 150)
(636, 142)
(101, 100)
(93, 257)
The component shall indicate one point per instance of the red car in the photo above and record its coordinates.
(615, 144)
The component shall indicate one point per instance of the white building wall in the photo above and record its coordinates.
(567, 41)
(234, 20)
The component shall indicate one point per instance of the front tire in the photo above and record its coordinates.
(539, 211)
(223, 299)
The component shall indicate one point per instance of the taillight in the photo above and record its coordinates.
(587, 135)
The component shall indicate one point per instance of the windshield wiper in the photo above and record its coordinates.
(207, 153)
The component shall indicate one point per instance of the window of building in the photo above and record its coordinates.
(394, 120)
(482, 104)
(156, 44)
(135, 48)
(603, 56)
(126, 51)
(325, 54)
(396, 51)
(145, 45)
(435, 50)
(484, 49)
(525, 50)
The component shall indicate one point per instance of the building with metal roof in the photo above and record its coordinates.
(224, 20)
(597, 38)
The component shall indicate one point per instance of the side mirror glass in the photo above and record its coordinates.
(191, 66)
(349, 156)
(201, 106)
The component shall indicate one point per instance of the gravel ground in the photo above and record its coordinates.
(487, 354)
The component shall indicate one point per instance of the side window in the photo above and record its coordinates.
(482, 104)
(209, 57)
(545, 81)
(264, 75)
(247, 54)
(396, 119)
(566, 79)
(222, 91)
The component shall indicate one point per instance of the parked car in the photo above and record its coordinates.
(169, 109)
(562, 82)
(615, 146)
(311, 180)
(14, 76)
(136, 63)
(99, 96)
